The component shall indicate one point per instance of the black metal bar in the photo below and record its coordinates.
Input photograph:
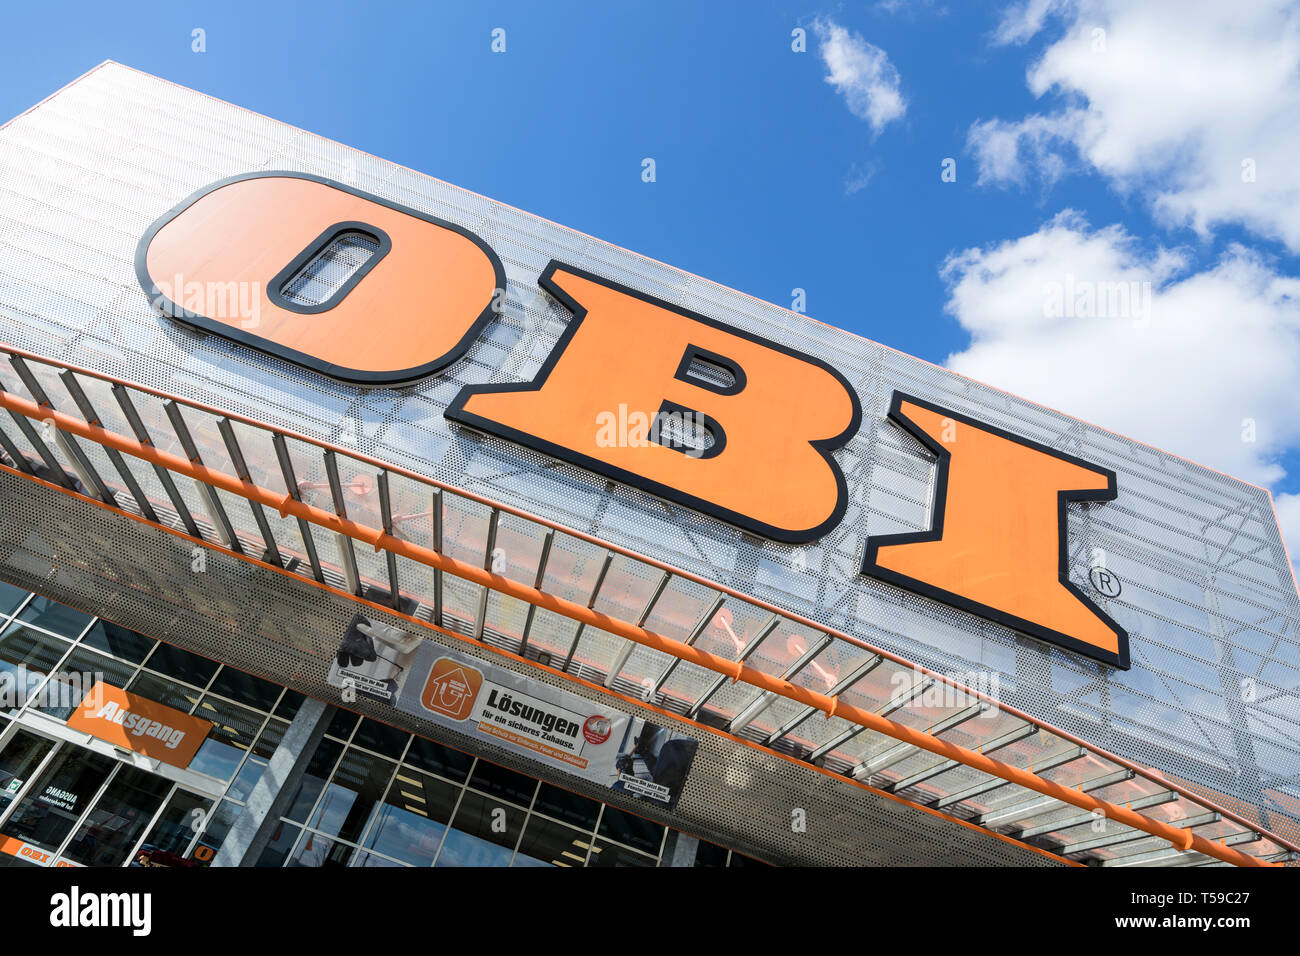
(291, 488)
(164, 476)
(209, 494)
(545, 556)
(591, 602)
(390, 559)
(271, 553)
(759, 636)
(620, 661)
(691, 638)
(91, 416)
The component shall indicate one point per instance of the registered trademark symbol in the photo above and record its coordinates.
(1104, 582)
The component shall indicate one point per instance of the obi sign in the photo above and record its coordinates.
(731, 425)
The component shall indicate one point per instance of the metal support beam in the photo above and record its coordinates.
(591, 602)
(859, 672)
(271, 552)
(493, 520)
(254, 827)
(435, 518)
(883, 761)
(759, 637)
(1079, 819)
(164, 476)
(895, 702)
(220, 520)
(691, 638)
(291, 488)
(83, 403)
(1171, 854)
(1006, 740)
(1041, 804)
(538, 578)
(386, 520)
(754, 709)
(347, 554)
(14, 454)
(625, 652)
(1128, 835)
(969, 793)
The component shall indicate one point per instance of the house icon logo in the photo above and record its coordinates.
(451, 689)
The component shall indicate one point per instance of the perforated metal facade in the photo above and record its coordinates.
(1208, 597)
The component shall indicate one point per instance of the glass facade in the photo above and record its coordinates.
(371, 795)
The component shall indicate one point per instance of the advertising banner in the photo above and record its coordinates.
(562, 730)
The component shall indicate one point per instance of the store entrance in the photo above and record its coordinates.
(64, 805)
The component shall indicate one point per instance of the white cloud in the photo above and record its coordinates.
(859, 177)
(1021, 21)
(1170, 98)
(1088, 322)
(1288, 519)
(862, 74)
(912, 7)
(1006, 151)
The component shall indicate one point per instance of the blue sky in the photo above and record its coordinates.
(768, 180)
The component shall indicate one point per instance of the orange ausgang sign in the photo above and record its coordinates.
(139, 724)
(710, 416)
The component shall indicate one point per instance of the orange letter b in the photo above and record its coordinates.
(683, 407)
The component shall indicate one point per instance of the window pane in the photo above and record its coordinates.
(380, 738)
(610, 854)
(316, 850)
(18, 761)
(171, 835)
(118, 641)
(164, 691)
(410, 822)
(503, 783)
(10, 597)
(182, 665)
(710, 854)
(258, 760)
(245, 688)
(352, 794)
(313, 780)
(632, 830)
(484, 833)
(435, 758)
(116, 821)
(289, 704)
(55, 617)
(46, 815)
(567, 806)
(219, 824)
(80, 671)
(551, 844)
(373, 859)
(341, 724)
(25, 655)
(232, 734)
(277, 850)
